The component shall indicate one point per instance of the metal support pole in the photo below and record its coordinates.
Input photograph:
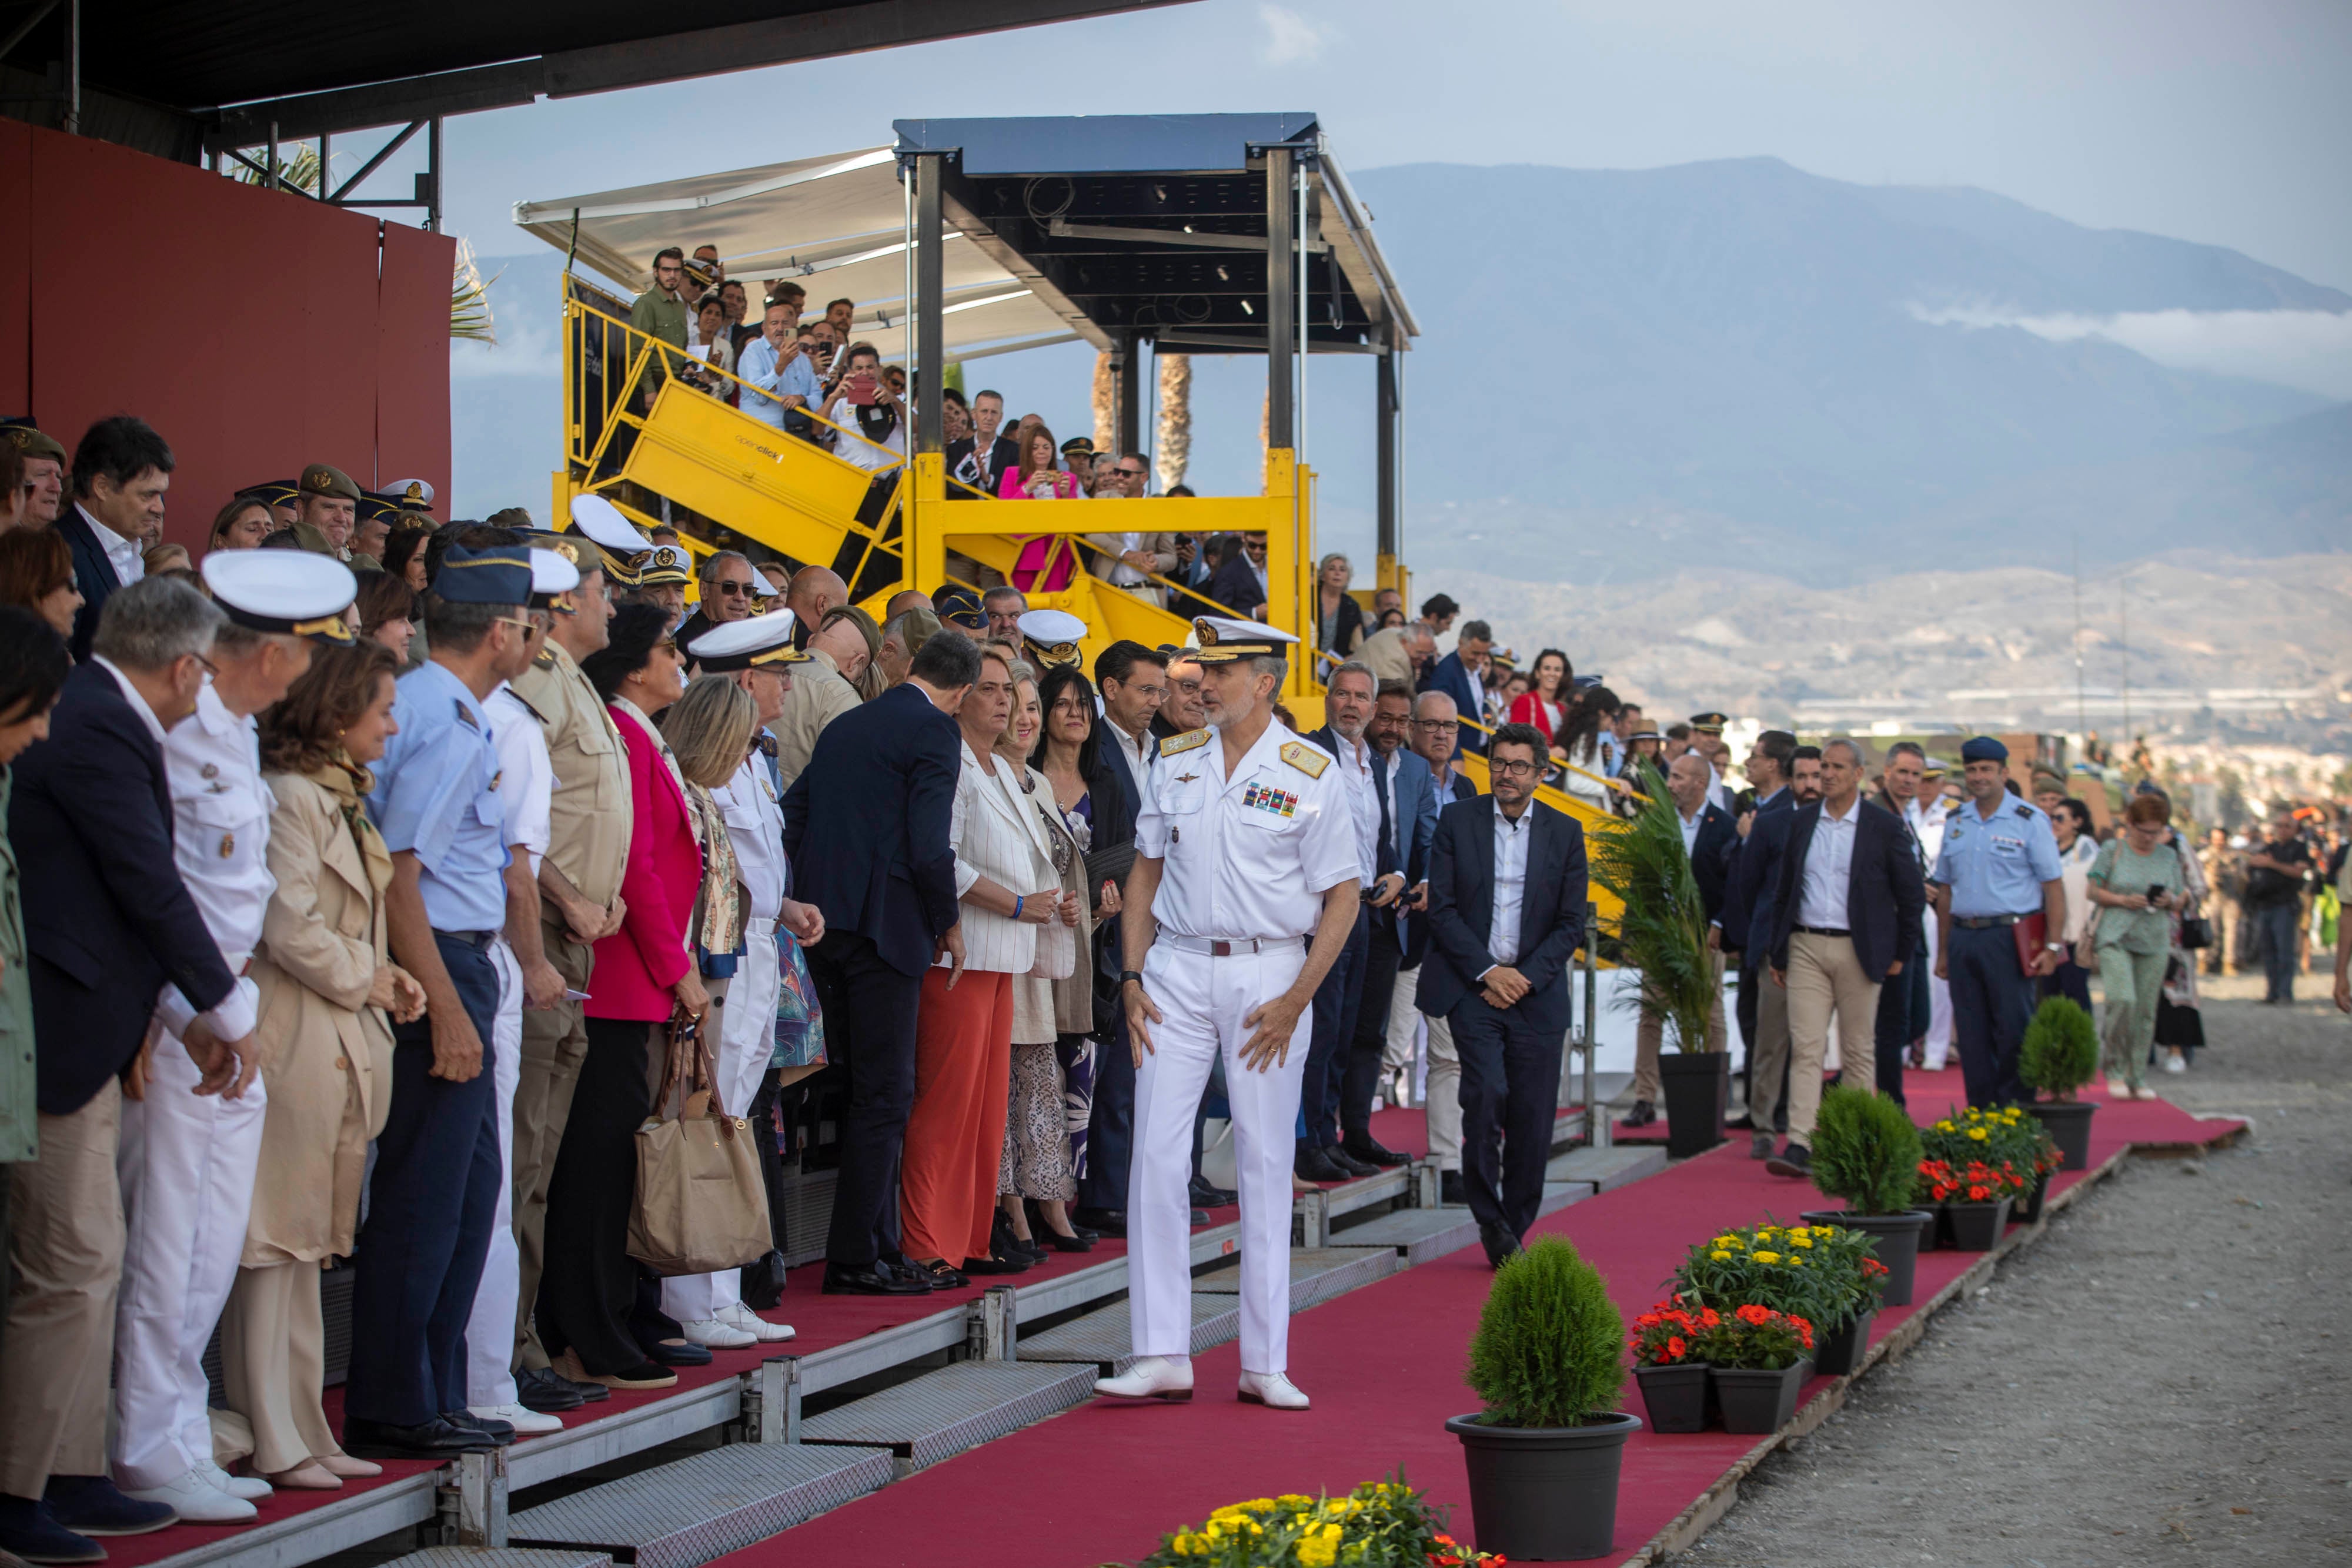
(269, 161)
(1597, 1131)
(433, 175)
(994, 1333)
(71, 118)
(1130, 365)
(1384, 402)
(931, 302)
(326, 149)
(1280, 300)
(778, 1386)
(1305, 261)
(481, 1487)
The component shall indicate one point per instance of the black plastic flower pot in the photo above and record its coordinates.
(1678, 1398)
(1698, 1087)
(1895, 1237)
(2069, 1122)
(1839, 1352)
(1756, 1401)
(2027, 1210)
(1544, 1494)
(1975, 1226)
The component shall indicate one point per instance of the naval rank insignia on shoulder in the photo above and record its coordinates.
(1184, 742)
(466, 715)
(1309, 759)
(546, 659)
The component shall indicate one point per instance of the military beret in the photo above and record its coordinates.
(325, 479)
(1984, 748)
(20, 431)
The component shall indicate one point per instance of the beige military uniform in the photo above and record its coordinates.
(819, 696)
(588, 842)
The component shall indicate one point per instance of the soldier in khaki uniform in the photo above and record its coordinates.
(579, 895)
(329, 503)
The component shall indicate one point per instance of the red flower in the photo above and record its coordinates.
(1674, 1348)
(1753, 1314)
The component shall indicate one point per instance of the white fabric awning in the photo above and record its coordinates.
(835, 224)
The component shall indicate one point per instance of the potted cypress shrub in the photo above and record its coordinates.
(1759, 1360)
(1543, 1455)
(2060, 1054)
(1866, 1151)
(1662, 934)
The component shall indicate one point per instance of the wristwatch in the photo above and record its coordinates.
(2053, 947)
(1126, 975)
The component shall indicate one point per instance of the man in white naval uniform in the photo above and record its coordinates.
(188, 1159)
(756, 653)
(526, 791)
(1243, 891)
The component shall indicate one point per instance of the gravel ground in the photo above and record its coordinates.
(2161, 1379)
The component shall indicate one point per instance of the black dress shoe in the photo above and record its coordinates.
(502, 1433)
(1641, 1114)
(1207, 1195)
(873, 1280)
(1074, 1242)
(1196, 1217)
(435, 1439)
(1357, 1169)
(1100, 1221)
(1004, 1243)
(677, 1352)
(541, 1390)
(997, 1264)
(1796, 1160)
(1499, 1243)
(941, 1276)
(1449, 1190)
(1361, 1147)
(1317, 1166)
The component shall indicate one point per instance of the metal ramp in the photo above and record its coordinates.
(1606, 1169)
(1316, 1275)
(684, 1514)
(1105, 1340)
(1417, 1235)
(942, 1413)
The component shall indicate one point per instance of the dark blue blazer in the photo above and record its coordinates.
(1235, 587)
(93, 574)
(1748, 889)
(1884, 891)
(1711, 856)
(108, 920)
(866, 825)
(1462, 910)
(1447, 675)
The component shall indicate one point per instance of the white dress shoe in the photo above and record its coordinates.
(715, 1335)
(251, 1488)
(736, 1315)
(1151, 1377)
(197, 1500)
(526, 1423)
(1271, 1389)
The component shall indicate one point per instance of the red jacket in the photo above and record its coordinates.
(637, 964)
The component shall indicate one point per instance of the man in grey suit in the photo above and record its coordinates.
(1407, 807)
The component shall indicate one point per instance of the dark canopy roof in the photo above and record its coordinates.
(315, 66)
(1155, 224)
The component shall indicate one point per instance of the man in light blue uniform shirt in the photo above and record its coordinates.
(1997, 866)
(774, 365)
(433, 1195)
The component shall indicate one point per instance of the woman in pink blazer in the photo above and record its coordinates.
(643, 975)
(1047, 561)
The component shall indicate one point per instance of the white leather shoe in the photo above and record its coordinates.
(715, 1335)
(1151, 1377)
(197, 1500)
(1271, 1389)
(736, 1315)
(252, 1489)
(527, 1423)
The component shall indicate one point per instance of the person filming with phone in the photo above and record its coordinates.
(863, 403)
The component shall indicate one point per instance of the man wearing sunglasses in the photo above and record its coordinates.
(729, 594)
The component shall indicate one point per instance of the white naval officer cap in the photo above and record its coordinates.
(1223, 640)
(551, 574)
(626, 552)
(294, 593)
(1052, 635)
(754, 643)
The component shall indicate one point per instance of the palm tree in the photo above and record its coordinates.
(1172, 449)
(1663, 931)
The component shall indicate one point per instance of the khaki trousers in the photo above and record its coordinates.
(1824, 976)
(1768, 1074)
(1445, 1095)
(554, 1044)
(1649, 1034)
(274, 1364)
(65, 1214)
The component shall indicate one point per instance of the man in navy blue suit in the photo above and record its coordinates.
(1785, 774)
(1507, 895)
(867, 828)
(1408, 822)
(1457, 675)
(1851, 894)
(121, 471)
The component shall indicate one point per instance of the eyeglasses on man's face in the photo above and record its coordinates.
(1514, 769)
(742, 589)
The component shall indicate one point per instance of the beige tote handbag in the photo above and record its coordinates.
(702, 1206)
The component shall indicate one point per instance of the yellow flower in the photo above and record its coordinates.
(1318, 1552)
(1720, 1256)
(1978, 1133)
(1945, 1126)
(1294, 1499)
(1768, 1257)
(1796, 1240)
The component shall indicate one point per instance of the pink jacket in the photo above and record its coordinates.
(1009, 488)
(637, 964)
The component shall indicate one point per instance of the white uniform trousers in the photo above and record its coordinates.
(747, 1042)
(1202, 1002)
(187, 1164)
(1402, 1034)
(490, 1331)
(1939, 1007)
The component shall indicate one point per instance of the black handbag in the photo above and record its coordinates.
(2196, 932)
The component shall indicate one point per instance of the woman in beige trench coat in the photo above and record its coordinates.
(326, 983)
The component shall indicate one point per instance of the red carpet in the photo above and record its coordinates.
(1384, 1365)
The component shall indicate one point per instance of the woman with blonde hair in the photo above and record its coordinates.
(243, 524)
(327, 982)
(1340, 619)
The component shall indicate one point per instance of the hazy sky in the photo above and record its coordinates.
(2231, 124)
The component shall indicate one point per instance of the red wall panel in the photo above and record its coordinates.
(257, 346)
(15, 268)
(411, 377)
